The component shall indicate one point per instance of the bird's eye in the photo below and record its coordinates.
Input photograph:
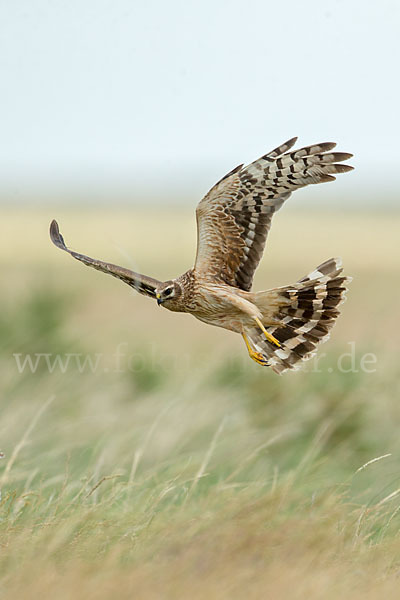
(168, 292)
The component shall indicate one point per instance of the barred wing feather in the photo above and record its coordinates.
(141, 283)
(234, 218)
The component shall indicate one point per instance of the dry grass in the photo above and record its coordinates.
(188, 471)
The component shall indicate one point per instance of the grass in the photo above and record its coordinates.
(173, 467)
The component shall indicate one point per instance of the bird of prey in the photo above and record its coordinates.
(281, 326)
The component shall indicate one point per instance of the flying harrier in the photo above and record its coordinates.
(281, 326)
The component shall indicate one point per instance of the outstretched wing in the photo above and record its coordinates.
(141, 283)
(234, 218)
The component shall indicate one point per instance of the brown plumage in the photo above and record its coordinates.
(281, 326)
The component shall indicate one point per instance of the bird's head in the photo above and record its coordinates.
(168, 293)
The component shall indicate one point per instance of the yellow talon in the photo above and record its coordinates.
(269, 337)
(259, 359)
(256, 356)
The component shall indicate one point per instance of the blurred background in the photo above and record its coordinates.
(131, 433)
(153, 101)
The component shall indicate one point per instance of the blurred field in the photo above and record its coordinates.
(168, 465)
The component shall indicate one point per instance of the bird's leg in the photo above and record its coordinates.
(269, 337)
(257, 356)
(250, 309)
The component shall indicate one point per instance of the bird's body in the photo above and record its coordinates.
(216, 304)
(281, 326)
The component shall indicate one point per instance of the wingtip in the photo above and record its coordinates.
(290, 143)
(340, 168)
(56, 236)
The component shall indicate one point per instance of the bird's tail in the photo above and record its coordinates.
(305, 313)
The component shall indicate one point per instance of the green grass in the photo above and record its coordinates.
(181, 469)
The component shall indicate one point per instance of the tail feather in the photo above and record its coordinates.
(306, 312)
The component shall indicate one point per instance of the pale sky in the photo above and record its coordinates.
(163, 97)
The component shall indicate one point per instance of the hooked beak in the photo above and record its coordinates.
(159, 301)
